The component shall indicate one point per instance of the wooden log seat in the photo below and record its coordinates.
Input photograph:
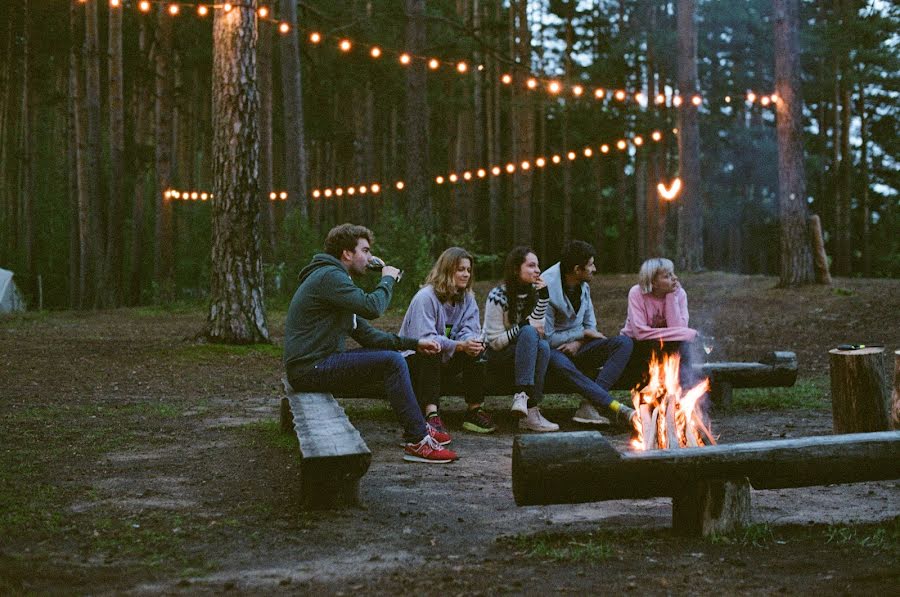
(705, 483)
(333, 455)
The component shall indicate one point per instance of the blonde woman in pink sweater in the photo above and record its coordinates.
(658, 319)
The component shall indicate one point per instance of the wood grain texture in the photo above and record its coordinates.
(859, 390)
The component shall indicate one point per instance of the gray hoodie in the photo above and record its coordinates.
(562, 323)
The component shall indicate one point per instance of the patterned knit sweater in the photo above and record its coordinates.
(499, 327)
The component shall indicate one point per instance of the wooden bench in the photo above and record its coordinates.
(710, 486)
(775, 369)
(333, 455)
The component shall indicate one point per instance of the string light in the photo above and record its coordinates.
(114, 3)
(669, 193)
(434, 64)
(676, 101)
(556, 159)
(571, 155)
(345, 45)
(554, 87)
(540, 162)
(375, 52)
(405, 59)
(467, 175)
(173, 9)
(495, 170)
(227, 7)
(588, 152)
(620, 95)
(203, 10)
(510, 167)
(284, 27)
(453, 178)
(751, 97)
(764, 100)
(375, 188)
(462, 67)
(263, 12)
(604, 148)
(656, 136)
(660, 99)
(315, 37)
(577, 90)
(317, 193)
(531, 83)
(506, 79)
(638, 140)
(439, 180)
(599, 93)
(525, 165)
(481, 173)
(621, 144)
(144, 6)
(696, 100)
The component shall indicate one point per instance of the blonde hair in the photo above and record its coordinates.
(441, 275)
(650, 268)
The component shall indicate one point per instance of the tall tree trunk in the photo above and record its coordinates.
(266, 178)
(164, 253)
(492, 124)
(237, 314)
(72, 151)
(295, 160)
(796, 256)
(622, 196)
(25, 153)
(115, 239)
(521, 125)
(142, 138)
(866, 229)
(85, 249)
(478, 128)
(690, 221)
(843, 265)
(567, 165)
(95, 191)
(418, 199)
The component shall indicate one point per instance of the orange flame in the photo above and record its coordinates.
(667, 415)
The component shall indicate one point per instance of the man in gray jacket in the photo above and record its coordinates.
(571, 325)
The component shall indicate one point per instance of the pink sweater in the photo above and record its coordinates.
(651, 318)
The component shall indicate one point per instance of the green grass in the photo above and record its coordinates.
(195, 353)
(883, 537)
(756, 534)
(562, 547)
(269, 433)
(806, 394)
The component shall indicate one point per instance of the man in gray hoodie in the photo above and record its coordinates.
(326, 308)
(570, 326)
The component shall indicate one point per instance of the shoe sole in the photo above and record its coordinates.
(476, 429)
(518, 413)
(411, 458)
(544, 430)
(601, 421)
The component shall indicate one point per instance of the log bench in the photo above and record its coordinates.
(775, 369)
(333, 455)
(709, 486)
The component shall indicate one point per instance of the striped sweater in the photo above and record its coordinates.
(499, 328)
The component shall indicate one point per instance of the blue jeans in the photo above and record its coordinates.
(573, 380)
(528, 356)
(345, 372)
(611, 354)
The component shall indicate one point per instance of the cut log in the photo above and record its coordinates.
(333, 454)
(895, 398)
(571, 468)
(776, 369)
(712, 507)
(859, 390)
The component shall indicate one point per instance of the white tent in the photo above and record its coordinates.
(10, 297)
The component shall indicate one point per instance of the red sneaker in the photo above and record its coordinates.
(438, 433)
(429, 451)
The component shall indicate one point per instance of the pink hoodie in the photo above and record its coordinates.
(651, 318)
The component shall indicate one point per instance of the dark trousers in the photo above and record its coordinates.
(428, 372)
(609, 355)
(345, 372)
(567, 375)
(637, 372)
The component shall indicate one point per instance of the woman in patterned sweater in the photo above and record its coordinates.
(513, 329)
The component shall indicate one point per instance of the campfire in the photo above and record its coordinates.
(669, 417)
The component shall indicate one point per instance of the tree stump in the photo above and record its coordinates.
(712, 507)
(859, 390)
(895, 399)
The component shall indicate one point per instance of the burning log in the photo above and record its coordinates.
(572, 468)
(859, 390)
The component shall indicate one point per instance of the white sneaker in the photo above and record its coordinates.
(520, 404)
(588, 415)
(535, 421)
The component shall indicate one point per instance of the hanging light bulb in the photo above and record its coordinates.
(433, 64)
(676, 101)
(283, 27)
(462, 67)
(599, 93)
(638, 140)
(314, 37)
(263, 12)
(540, 162)
(173, 9)
(467, 175)
(621, 144)
(227, 7)
(696, 100)
(400, 185)
(375, 52)
(496, 170)
(656, 136)
(439, 180)
(202, 10)
(554, 87)
(620, 95)
(571, 155)
(577, 90)
(144, 6)
(510, 167)
(345, 45)
(660, 99)
(481, 173)
(531, 83)
(604, 148)
(506, 79)
(556, 159)
(671, 192)
(525, 165)
(405, 59)
(317, 193)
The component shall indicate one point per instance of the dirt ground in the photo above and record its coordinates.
(139, 460)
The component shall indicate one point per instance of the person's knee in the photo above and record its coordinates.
(543, 348)
(528, 333)
(394, 360)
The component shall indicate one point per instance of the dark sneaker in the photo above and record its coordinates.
(478, 421)
(428, 451)
(442, 437)
(626, 417)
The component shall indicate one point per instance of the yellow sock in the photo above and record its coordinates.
(615, 405)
